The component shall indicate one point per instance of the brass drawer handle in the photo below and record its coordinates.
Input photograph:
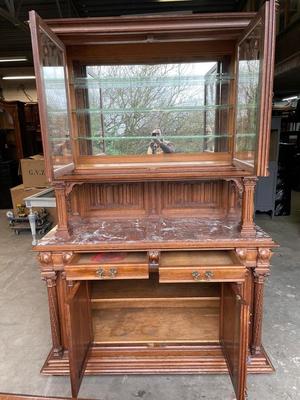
(209, 275)
(100, 272)
(196, 275)
(113, 272)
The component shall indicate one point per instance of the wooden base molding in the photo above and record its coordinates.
(202, 359)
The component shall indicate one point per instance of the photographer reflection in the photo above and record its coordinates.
(158, 145)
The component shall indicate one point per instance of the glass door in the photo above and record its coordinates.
(254, 85)
(51, 77)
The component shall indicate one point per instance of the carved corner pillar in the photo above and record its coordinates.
(247, 224)
(63, 228)
(50, 278)
(260, 273)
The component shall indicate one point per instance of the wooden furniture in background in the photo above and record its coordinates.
(154, 131)
(265, 194)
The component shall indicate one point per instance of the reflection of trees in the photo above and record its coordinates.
(248, 82)
(139, 94)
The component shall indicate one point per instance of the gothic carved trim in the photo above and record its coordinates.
(238, 184)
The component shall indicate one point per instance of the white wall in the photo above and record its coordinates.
(13, 90)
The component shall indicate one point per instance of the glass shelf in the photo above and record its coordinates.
(179, 137)
(156, 110)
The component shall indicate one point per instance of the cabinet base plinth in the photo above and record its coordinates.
(139, 359)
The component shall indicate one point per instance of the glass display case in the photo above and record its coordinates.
(153, 100)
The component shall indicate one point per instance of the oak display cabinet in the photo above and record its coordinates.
(155, 129)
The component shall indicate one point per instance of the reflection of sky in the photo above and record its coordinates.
(54, 80)
(188, 69)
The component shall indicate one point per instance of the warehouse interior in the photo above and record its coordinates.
(25, 335)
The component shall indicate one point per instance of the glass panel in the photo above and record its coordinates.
(152, 109)
(248, 89)
(54, 81)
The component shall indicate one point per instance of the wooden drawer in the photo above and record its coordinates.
(107, 266)
(201, 266)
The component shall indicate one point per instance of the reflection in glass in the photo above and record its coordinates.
(152, 109)
(248, 85)
(56, 101)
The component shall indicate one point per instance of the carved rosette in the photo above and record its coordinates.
(247, 256)
(45, 259)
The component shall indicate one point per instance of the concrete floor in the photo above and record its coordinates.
(25, 332)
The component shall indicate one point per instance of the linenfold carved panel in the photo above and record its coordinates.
(159, 198)
(115, 198)
(184, 196)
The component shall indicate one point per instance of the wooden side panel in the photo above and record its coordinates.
(235, 330)
(79, 325)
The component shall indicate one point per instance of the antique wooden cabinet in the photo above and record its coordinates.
(155, 129)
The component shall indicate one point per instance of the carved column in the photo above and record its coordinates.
(50, 278)
(62, 211)
(260, 273)
(247, 226)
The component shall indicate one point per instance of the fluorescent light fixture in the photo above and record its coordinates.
(290, 98)
(13, 59)
(21, 77)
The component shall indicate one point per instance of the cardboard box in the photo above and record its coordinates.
(18, 194)
(33, 172)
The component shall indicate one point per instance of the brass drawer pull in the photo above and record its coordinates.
(113, 272)
(209, 275)
(196, 275)
(100, 272)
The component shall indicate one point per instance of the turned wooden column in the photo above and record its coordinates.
(260, 273)
(62, 210)
(247, 225)
(50, 278)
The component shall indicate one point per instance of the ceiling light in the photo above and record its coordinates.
(13, 59)
(290, 98)
(9, 78)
